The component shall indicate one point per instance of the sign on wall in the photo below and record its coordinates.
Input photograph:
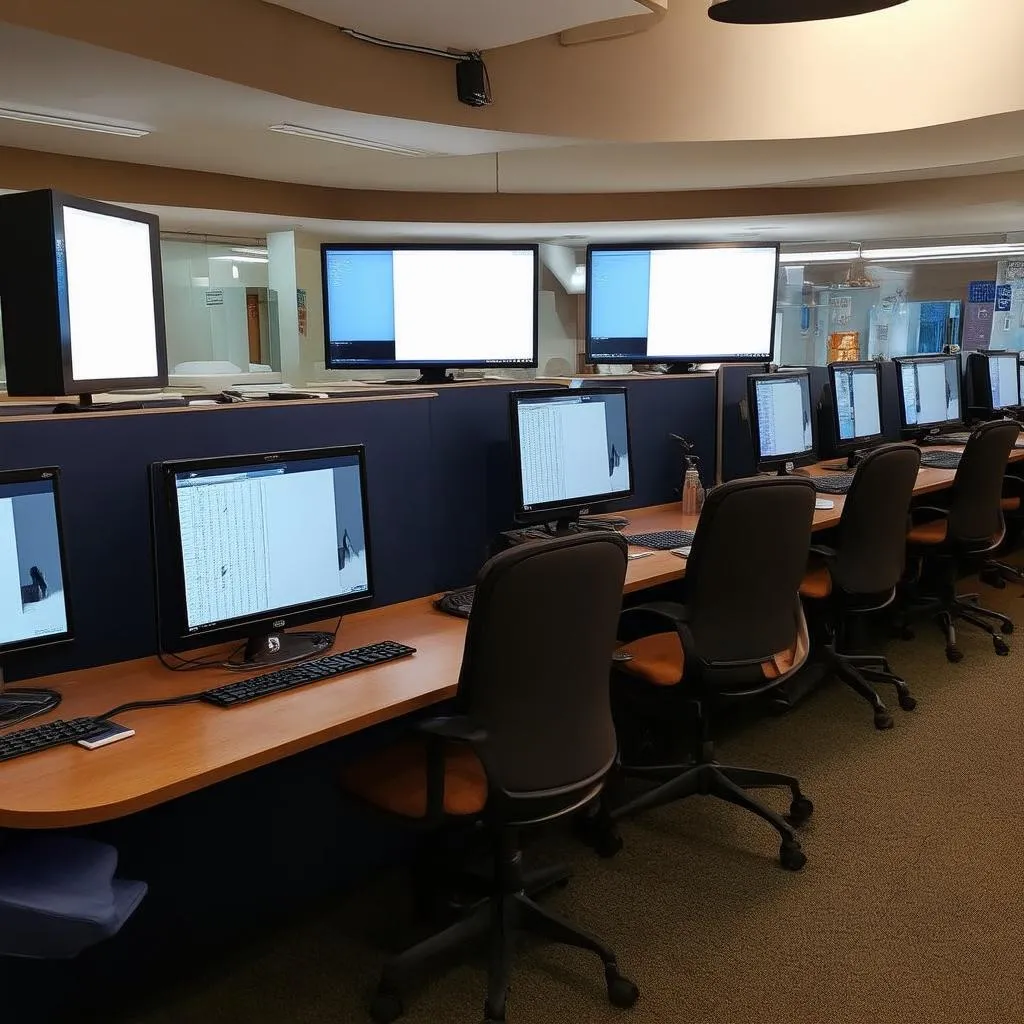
(215, 297)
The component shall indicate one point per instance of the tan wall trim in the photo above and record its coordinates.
(163, 186)
(615, 28)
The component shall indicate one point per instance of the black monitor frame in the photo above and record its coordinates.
(914, 431)
(852, 446)
(432, 371)
(779, 463)
(17, 705)
(979, 373)
(34, 284)
(563, 513)
(689, 362)
(267, 643)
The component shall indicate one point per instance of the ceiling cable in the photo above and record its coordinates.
(430, 51)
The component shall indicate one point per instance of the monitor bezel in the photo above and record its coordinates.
(404, 364)
(763, 462)
(71, 385)
(34, 475)
(710, 357)
(167, 549)
(551, 511)
(847, 446)
(982, 357)
(915, 430)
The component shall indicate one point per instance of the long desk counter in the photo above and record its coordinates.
(184, 748)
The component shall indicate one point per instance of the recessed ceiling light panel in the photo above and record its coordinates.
(778, 12)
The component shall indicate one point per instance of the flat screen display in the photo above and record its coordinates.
(930, 390)
(784, 427)
(681, 303)
(420, 307)
(858, 401)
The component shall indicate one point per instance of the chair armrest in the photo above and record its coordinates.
(923, 513)
(824, 551)
(1013, 486)
(644, 619)
(452, 727)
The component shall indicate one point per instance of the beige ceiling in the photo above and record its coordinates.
(203, 123)
(462, 24)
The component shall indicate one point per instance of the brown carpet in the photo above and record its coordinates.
(911, 907)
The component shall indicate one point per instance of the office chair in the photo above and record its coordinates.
(532, 742)
(861, 573)
(994, 572)
(741, 634)
(957, 539)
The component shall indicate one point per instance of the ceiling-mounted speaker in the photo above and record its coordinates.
(778, 12)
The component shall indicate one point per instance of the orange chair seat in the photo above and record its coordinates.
(929, 533)
(395, 779)
(817, 583)
(1010, 504)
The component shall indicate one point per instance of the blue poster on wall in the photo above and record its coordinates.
(1004, 298)
(981, 298)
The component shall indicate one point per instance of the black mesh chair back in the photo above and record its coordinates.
(975, 514)
(744, 571)
(872, 541)
(535, 673)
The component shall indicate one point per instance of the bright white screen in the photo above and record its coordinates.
(110, 297)
(783, 417)
(463, 305)
(1003, 377)
(711, 300)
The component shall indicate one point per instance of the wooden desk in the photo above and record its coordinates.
(180, 749)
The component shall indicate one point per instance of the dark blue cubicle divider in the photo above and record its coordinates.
(104, 462)
(471, 460)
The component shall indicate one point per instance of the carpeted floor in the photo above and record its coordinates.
(911, 907)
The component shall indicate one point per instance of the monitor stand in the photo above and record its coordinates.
(677, 368)
(270, 649)
(86, 404)
(429, 375)
(21, 704)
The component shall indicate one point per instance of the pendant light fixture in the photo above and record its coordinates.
(777, 12)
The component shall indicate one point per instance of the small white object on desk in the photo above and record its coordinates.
(639, 554)
(823, 504)
(682, 552)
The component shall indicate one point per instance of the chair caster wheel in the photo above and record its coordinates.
(883, 720)
(1001, 646)
(601, 837)
(1007, 626)
(800, 811)
(906, 633)
(993, 580)
(622, 993)
(954, 654)
(386, 1007)
(791, 857)
(907, 701)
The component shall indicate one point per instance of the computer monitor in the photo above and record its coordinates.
(247, 546)
(571, 451)
(681, 304)
(34, 605)
(929, 391)
(81, 292)
(995, 383)
(856, 394)
(780, 418)
(430, 307)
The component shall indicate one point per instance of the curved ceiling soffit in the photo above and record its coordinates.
(686, 79)
(615, 28)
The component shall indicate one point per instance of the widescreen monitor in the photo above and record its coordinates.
(430, 307)
(571, 450)
(82, 296)
(781, 418)
(681, 304)
(856, 393)
(929, 393)
(257, 543)
(34, 606)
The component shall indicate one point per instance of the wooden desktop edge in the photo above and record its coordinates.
(167, 758)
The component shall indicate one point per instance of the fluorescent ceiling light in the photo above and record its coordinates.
(70, 122)
(250, 250)
(945, 252)
(242, 259)
(830, 256)
(350, 140)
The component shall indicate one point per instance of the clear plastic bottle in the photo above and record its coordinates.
(693, 491)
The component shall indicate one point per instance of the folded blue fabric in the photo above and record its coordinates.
(58, 896)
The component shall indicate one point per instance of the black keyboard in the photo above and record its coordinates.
(834, 483)
(941, 460)
(662, 540)
(960, 437)
(457, 602)
(304, 673)
(52, 734)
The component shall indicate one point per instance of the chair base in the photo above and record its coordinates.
(968, 608)
(860, 671)
(998, 574)
(707, 778)
(498, 919)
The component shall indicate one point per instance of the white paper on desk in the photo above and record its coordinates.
(823, 504)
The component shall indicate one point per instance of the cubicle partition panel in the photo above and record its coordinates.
(736, 450)
(890, 402)
(104, 461)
